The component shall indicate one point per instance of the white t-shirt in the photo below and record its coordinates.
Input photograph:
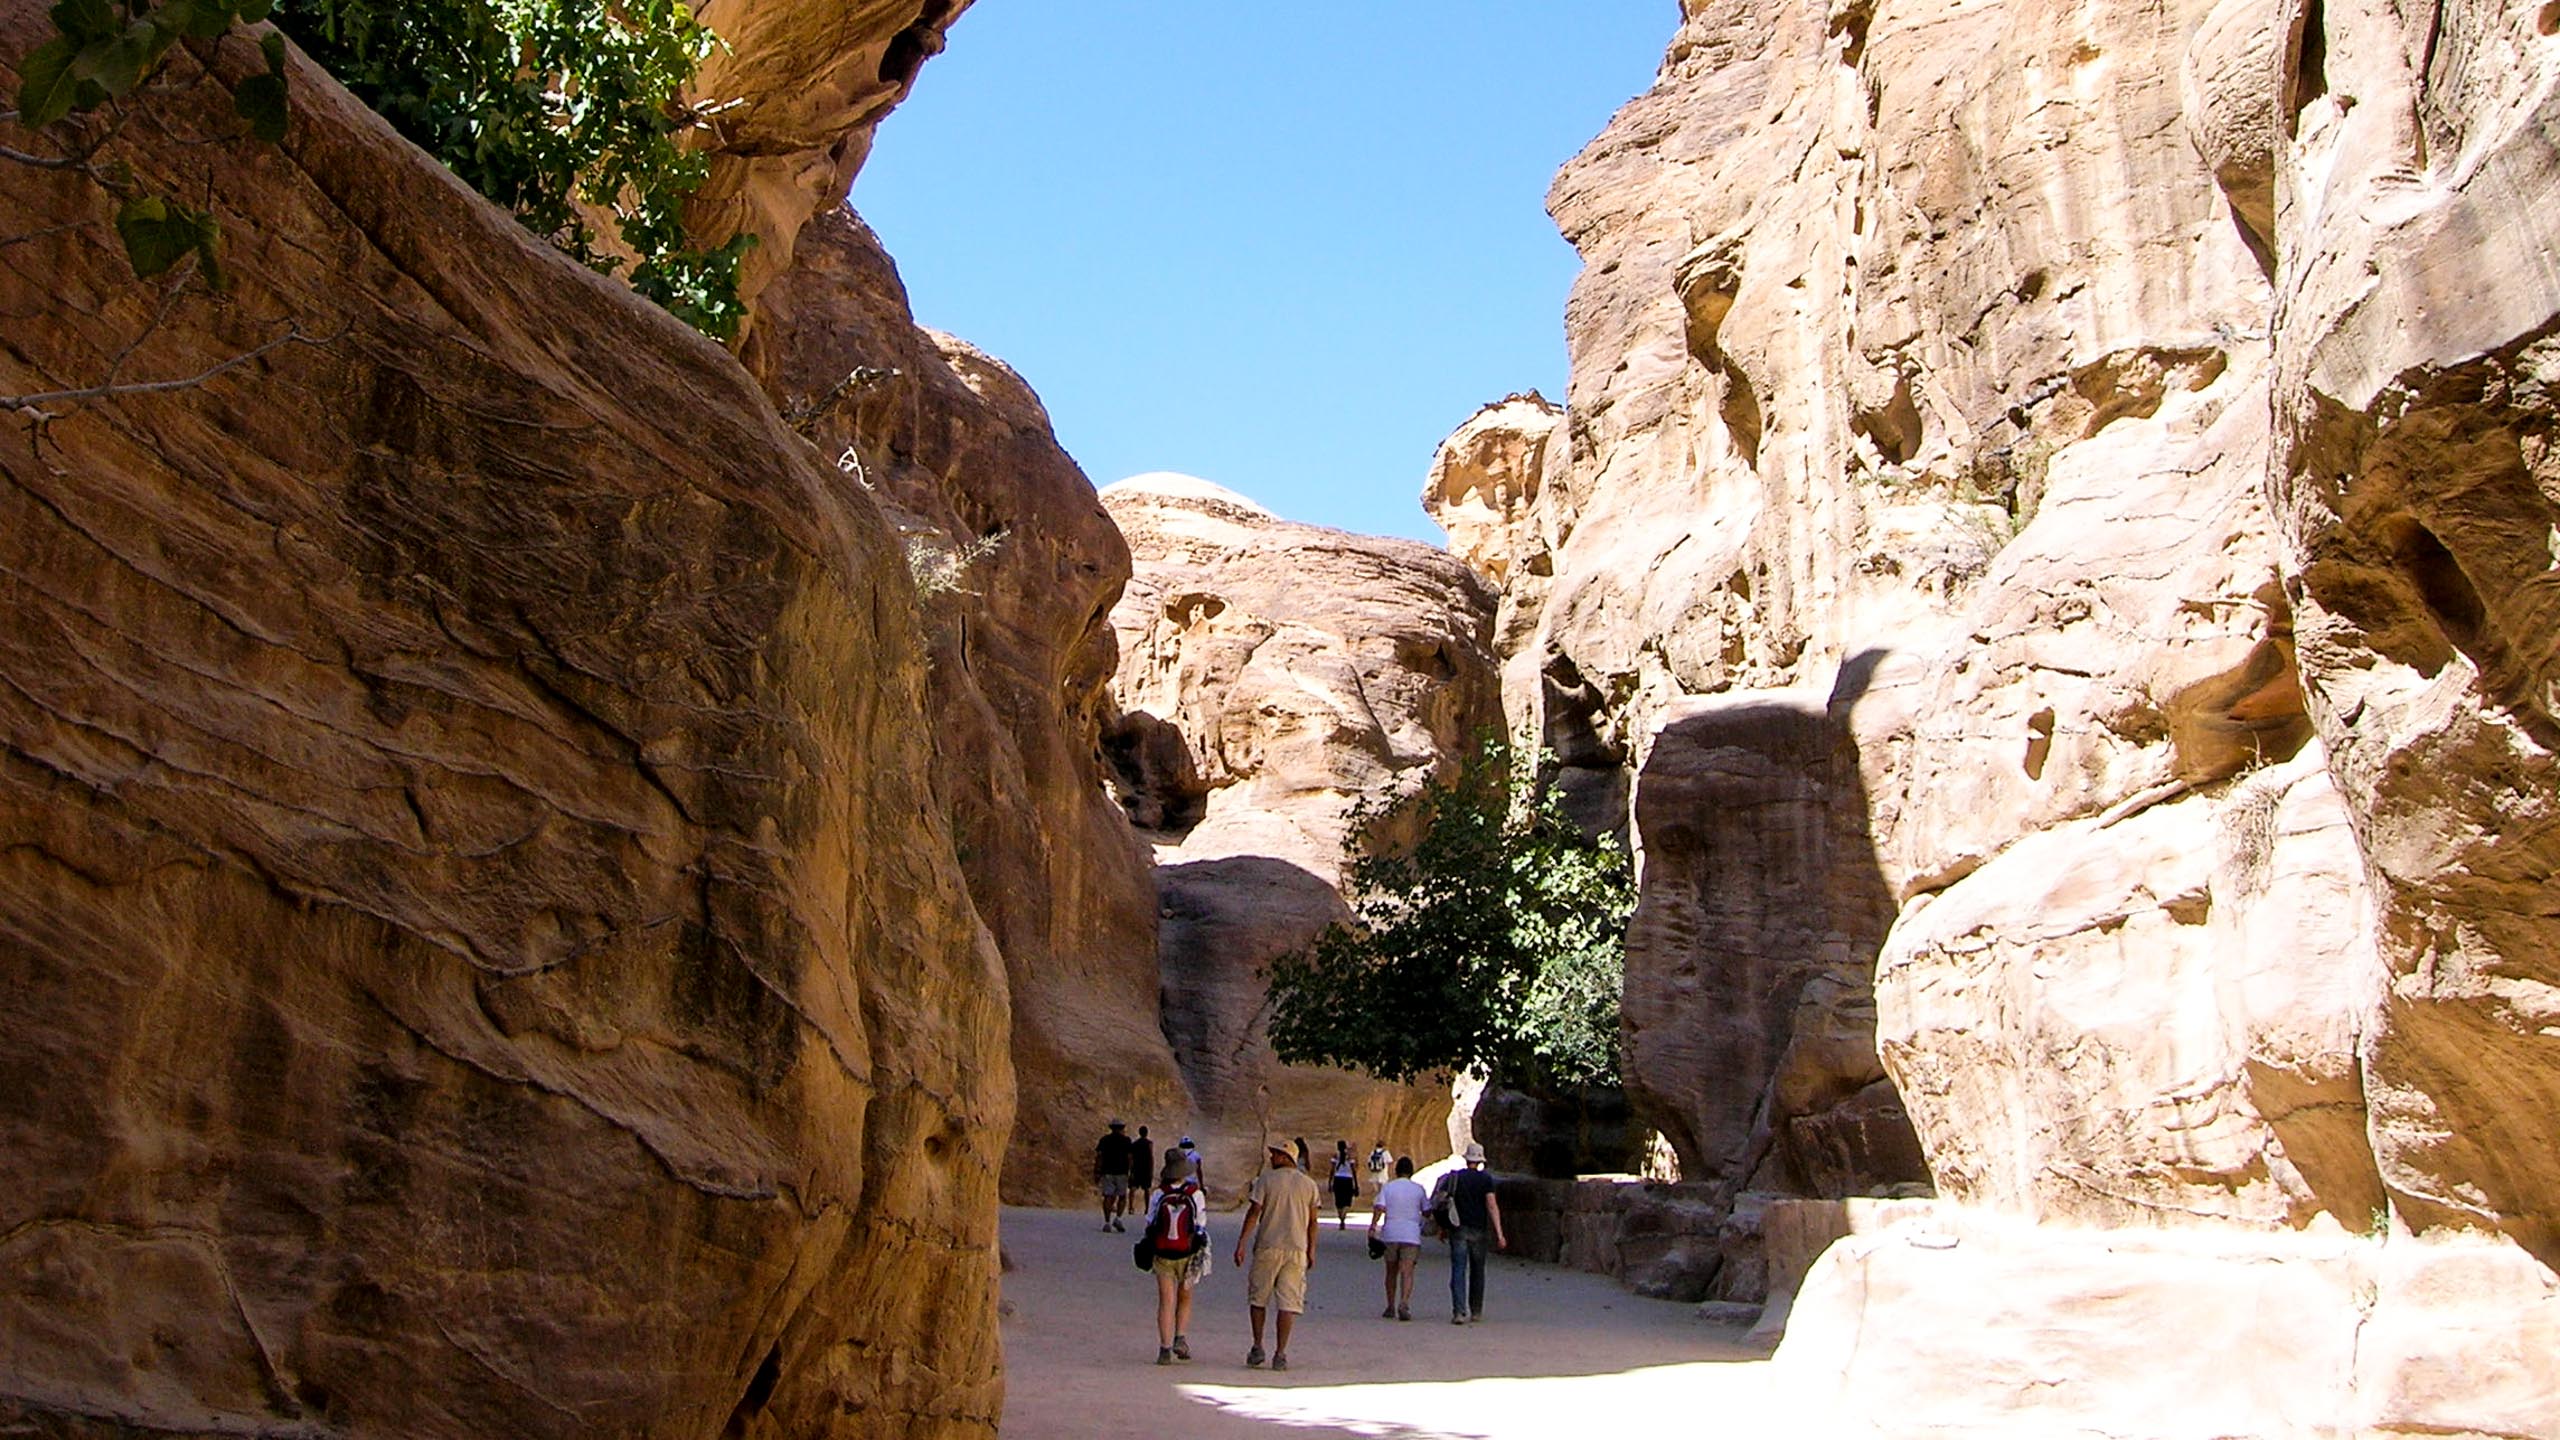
(1401, 1201)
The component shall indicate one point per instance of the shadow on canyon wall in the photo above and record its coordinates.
(1750, 1005)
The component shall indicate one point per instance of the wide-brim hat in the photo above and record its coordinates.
(1475, 1155)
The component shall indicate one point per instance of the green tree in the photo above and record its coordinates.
(545, 105)
(1487, 934)
(556, 109)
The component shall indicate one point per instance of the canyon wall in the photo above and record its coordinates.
(486, 955)
(2050, 533)
(1018, 569)
(1271, 675)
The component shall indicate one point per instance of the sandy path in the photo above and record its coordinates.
(1558, 1353)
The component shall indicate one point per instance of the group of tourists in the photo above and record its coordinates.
(1124, 1166)
(1276, 1246)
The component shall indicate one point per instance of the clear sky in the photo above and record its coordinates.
(1285, 247)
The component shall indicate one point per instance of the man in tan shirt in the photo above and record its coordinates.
(1280, 1227)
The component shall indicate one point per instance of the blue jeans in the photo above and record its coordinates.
(1467, 1247)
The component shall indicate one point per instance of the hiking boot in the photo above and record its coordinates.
(1164, 1354)
(1403, 1313)
(1279, 1362)
(1475, 1317)
(1253, 1358)
(1387, 1314)
(1459, 1319)
(1181, 1348)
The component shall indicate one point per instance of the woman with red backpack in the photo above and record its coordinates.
(1177, 1236)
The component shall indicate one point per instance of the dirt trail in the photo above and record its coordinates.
(1558, 1353)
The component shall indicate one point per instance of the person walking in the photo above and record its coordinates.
(1177, 1224)
(1346, 1184)
(1142, 1163)
(1306, 1161)
(1280, 1227)
(1395, 1221)
(1469, 1194)
(1190, 1154)
(1111, 1174)
(1378, 1162)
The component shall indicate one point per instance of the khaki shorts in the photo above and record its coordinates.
(1279, 1278)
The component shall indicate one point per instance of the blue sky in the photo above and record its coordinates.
(1286, 248)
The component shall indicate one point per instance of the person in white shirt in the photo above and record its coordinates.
(1395, 1220)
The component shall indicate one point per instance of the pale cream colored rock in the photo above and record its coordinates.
(2139, 1023)
(1299, 669)
(2000, 1328)
(2414, 393)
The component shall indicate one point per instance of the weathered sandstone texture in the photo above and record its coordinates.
(1271, 674)
(792, 97)
(2056, 518)
(2414, 409)
(1019, 567)
(484, 955)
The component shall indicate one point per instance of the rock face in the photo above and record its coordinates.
(797, 87)
(2411, 471)
(1019, 567)
(2054, 518)
(1270, 675)
(485, 957)
(1751, 952)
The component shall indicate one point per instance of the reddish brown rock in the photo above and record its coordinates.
(1020, 568)
(793, 95)
(485, 957)
(1271, 674)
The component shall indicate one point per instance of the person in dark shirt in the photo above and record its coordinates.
(1479, 1217)
(1142, 1164)
(1111, 1174)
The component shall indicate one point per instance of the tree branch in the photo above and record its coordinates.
(32, 406)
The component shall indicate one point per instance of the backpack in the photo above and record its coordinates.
(1175, 1230)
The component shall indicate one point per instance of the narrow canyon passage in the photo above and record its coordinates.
(1558, 1350)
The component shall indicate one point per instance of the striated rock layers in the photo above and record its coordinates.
(484, 955)
(1270, 675)
(1019, 568)
(2056, 518)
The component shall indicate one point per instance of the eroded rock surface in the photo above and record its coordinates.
(793, 95)
(1270, 675)
(485, 957)
(2147, 409)
(1019, 567)
(2414, 406)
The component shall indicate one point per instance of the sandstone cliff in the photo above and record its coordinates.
(793, 94)
(2053, 522)
(1270, 675)
(1020, 567)
(485, 955)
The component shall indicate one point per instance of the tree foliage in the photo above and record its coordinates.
(545, 105)
(556, 109)
(1493, 941)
